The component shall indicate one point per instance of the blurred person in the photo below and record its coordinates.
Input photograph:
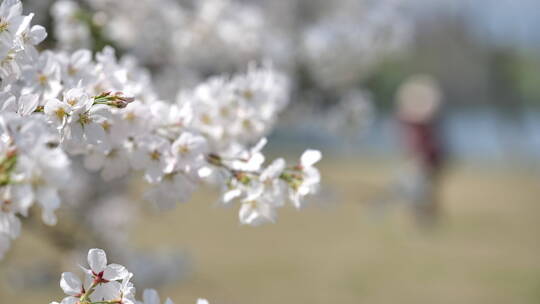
(418, 103)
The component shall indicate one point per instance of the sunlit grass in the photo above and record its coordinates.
(485, 250)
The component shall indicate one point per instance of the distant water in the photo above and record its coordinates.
(481, 134)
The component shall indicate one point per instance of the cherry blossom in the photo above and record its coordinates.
(55, 105)
(105, 284)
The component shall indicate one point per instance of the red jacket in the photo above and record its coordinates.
(421, 139)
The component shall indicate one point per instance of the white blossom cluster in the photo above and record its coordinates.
(105, 284)
(335, 45)
(248, 107)
(57, 103)
(342, 47)
(70, 29)
(209, 35)
(32, 169)
(263, 190)
(32, 166)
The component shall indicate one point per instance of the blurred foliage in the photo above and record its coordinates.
(470, 71)
(100, 40)
(86, 16)
(384, 82)
(523, 70)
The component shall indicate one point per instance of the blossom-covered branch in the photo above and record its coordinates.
(56, 104)
(105, 284)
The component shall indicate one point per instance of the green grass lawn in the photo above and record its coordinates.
(485, 250)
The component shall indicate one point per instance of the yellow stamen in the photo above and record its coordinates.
(155, 155)
(42, 79)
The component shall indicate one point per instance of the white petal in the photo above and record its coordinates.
(256, 213)
(70, 300)
(274, 170)
(202, 301)
(230, 195)
(150, 296)
(115, 272)
(49, 218)
(10, 225)
(296, 199)
(81, 58)
(310, 157)
(254, 192)
(255, 162)
(76, 133)
(260, 145)
(97, 259)
(28, 104)
(70, 284)
(154, 172)
(94, 133)
(312, 176)
(106, 291)
(48, 198)
(24, 195)
(168, 301)
(37, 34)
(51, 108)
(246, 214)
(204, 172)
(9, 104)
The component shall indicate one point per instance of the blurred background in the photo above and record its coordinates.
(428, 117)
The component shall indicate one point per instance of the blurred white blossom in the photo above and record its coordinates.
(57, 104)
